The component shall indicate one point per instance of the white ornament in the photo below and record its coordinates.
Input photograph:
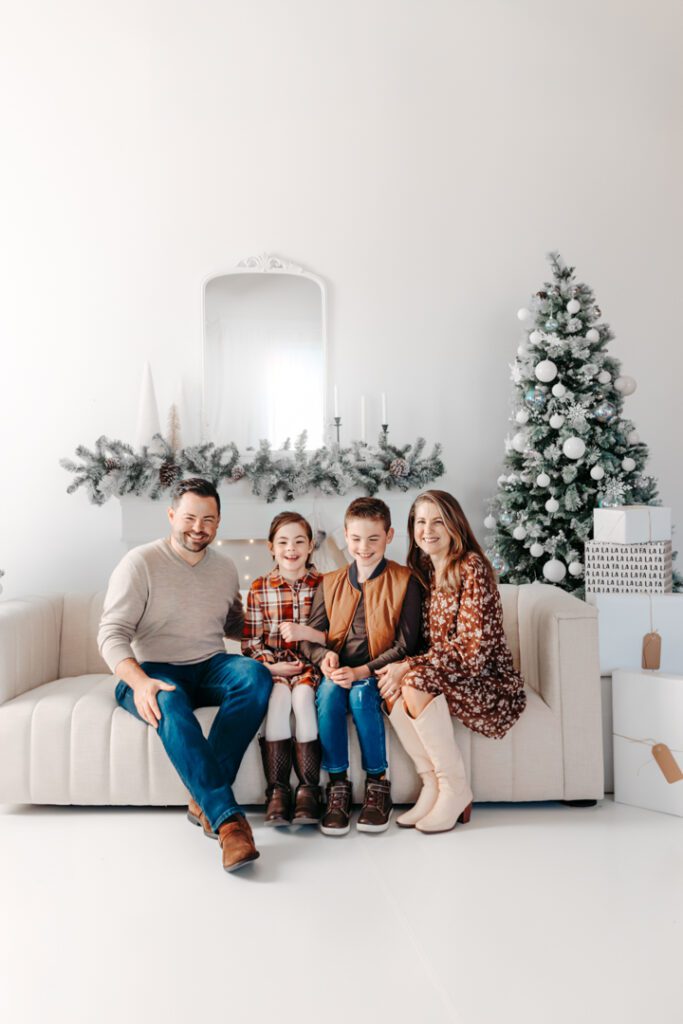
(625, 385)
(575, 568)
(628, 464)
(519, 532)
(556, 421)
(552, 505)
(559, 390)
(597, 472)
(604, 377)
(546, 371)
(522, 416)
(574, 447)
(633, 437)
(522, 350)
(519, 441)
(573, 306)
(501, 479)
(524, 314)
(542, 479)
(535, 337)
(592, 335)
(536, 550)
(554, 570)
(490, 522)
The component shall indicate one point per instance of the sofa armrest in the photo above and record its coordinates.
(560, 660)
(30, 633)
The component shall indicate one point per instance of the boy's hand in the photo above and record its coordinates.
(329, 663)
(344, 677)
(292, 631)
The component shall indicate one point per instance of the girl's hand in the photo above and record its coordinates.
(286, 669)
(292, 631)
(389, 679)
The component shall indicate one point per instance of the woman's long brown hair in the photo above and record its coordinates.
(459, 530)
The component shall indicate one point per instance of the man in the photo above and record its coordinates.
(168, 607)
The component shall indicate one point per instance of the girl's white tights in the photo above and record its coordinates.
(301, 700)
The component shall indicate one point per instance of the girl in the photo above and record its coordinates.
(467, 669)
(278, 606)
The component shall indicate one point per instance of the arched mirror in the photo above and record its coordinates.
(264, 354)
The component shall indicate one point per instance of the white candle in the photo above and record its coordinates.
(336, 401)
(362, 417)
(384, 408)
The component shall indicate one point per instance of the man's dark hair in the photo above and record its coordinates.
(369, 508)
(195, 485)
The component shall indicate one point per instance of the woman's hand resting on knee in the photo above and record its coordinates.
(390, 678)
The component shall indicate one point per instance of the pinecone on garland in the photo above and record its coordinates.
(237, 472)
(111, 464)
(399, 468)
(168, 473)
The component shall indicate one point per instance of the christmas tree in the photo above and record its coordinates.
(571, 449)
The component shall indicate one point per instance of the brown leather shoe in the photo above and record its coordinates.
(308, 799)
(237, 843)
(197, 817)
(337, 817)
(277, 765)
(377, 806)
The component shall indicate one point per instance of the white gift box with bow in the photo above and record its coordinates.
(632, 524)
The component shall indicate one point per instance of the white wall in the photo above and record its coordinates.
(421, 156)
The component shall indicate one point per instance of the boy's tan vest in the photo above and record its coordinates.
(384, 596)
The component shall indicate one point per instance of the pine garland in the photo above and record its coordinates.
(114, 468)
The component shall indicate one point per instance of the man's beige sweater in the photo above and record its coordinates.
(160, 608)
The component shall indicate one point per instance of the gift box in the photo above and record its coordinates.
(632, 524)
(647, 723)
(625, 620)
(628, 568)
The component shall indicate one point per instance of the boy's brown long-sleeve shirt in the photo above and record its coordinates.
(355, 650)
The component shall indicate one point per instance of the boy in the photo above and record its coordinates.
(370, 611)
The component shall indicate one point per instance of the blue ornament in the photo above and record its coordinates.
(535, 397)
(551, 324)
(605, 412)
(499, 564)
(506, 518)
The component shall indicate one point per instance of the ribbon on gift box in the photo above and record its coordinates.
(662, 755)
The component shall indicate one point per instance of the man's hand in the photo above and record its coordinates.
(286, 669)
(145, 697)
(329, 663)
(389, 679)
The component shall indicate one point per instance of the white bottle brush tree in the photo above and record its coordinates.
(570, 448)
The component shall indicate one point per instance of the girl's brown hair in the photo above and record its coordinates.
(459, 530)
(284, 519)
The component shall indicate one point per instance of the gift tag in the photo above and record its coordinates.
(652, 651)
(667, 763)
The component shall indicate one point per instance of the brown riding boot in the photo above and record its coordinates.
(237, 843)
(277, 764)
(308, 800)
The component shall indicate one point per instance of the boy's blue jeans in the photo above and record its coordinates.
(207, 766)
(364, 703)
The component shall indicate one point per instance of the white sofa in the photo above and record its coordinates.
(64, 740)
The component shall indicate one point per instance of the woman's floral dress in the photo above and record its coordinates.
(467, 657)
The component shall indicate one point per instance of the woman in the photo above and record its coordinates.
(466, 670)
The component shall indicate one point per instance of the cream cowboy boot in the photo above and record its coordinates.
(412, 744)
(434, 726)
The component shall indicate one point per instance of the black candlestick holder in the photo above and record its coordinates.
(385, 430)
(337, 427)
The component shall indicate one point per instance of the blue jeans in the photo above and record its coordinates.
(208, 766)
(364, 703)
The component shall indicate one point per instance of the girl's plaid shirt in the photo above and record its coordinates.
(272, 600)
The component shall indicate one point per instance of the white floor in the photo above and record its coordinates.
(531, 913)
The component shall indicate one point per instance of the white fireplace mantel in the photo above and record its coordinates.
(245, 516)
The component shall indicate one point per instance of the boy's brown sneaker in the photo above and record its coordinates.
(336, 821)
(237, 843)
(377, 806)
